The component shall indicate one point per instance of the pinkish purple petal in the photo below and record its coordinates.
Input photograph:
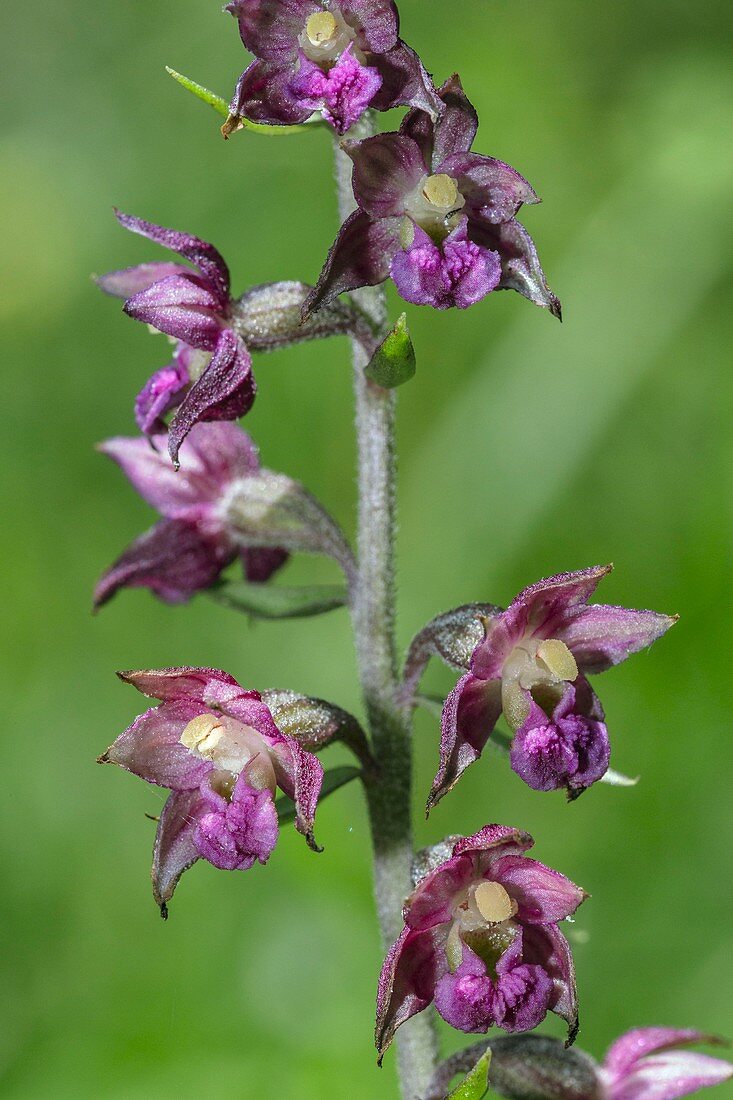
(161, 393)
(433, 900)
(469, 715)
(131, 280)
(464, 998)
(151, 747)
(543, 895)
(570, 749)
(540, 610)
(457, 124)
(456, 273)
(520, 265)
(264, 93)
(360, 256)
(172, 559)
(623, 1055)
(405, 81)
(669, 1076)
(260, 563)
(491, 843)
(601, 636)
(270, 28)
(207, 259)
(225, 391)
(234, 835)
(493, 190)
(375, 21)
(413, 966)
(545, 946)
(183, 307)
(343, 93)
(208, 686)
(386, 169)
(175, 850)
(299, 775)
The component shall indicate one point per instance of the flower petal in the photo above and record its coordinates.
(161, 393)
(601, 636)
(233, 835)
(405, 81)
(493, 190)
(131, 280)
(456, 273)
(181, 306)
(175, 850)
(464, 999)
(270, 28)
(264, 94)
(544, 896)
(343, 93)
(386, 169)
(457, 124)
(207, 686)
(207, 259)
(623, 1055)
(260, 563)
(225, 391)
(172, 559)
(360, 256)
(376, 22)
(545, 945)
(151, 747)
(413, 966)
(433, 900)
(469, 715)
(300, 775)
(540, 609)
(668, 1076)
(520, 265)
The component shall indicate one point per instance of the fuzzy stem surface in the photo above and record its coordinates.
(373, 616)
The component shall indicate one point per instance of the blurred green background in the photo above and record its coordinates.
(526, 448)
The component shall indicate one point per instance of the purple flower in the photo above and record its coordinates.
(210, 377)
(217, 749)
(338, 58)
(648, 1064)
(481, 940)
(187, 550)
(437, 218)
(531, 665)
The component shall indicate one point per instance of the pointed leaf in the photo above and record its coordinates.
(222, 108)
(476, 1084)
(393, 363)
(337, 777)
(265, 601)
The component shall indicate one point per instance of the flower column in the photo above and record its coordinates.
(373, 616)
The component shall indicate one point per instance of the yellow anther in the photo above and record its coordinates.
(202, 735)
(320, 28)
(493, 902)
(558, 659)
(441, 191)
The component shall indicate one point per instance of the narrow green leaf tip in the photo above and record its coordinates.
(393, 363)
(265, 601)
(220, 105)
(476, 1084)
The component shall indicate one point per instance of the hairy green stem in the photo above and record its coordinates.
(373, 615)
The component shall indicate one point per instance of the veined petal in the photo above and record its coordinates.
(623, 1055)
(151, 747)
(545, 945)
(264, 94)
(181, 306)
(361, 256)
(493, 190)
(131, 280)
(457, 273)
(208, 686)
(544, 896)
(376, 22)
(457, 124)
(299, 775)
(469, 715)
(414, 964)
(433, 900)
(172, 559)
(669, 1076)
(405, 81)
(161, 393)
(270, 28)
(601, 635)
(207, 259)
(387, 168)
(175, 850)
(520, 265)
(225, 391)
